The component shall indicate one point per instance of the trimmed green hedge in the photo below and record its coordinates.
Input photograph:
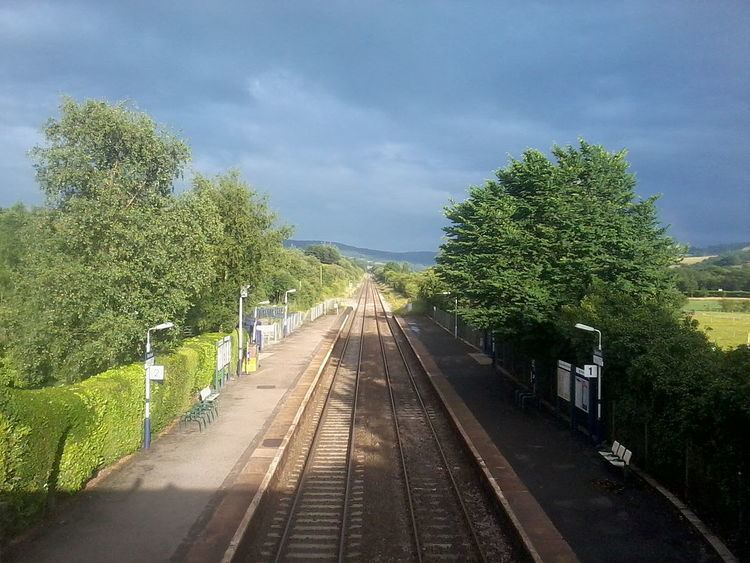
(53, 440)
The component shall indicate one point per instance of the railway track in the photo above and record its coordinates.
(378, 473)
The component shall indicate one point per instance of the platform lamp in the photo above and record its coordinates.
(147, 364)
(455, 313)
(598, 360)
(243, 294)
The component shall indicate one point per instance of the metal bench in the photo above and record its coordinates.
(618, 455)
(204, 411)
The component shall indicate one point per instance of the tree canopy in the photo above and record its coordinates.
(542, 231)
(326, 253)
(115, 250)
(98, 150)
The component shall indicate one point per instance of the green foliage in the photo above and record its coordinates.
(313, 280)
(549, 244)
(114, 251)
(53, 440)
(707, 276)
(97, 149)
(535, 238)
(99, 275)
(326, 253)
(14, 239)
(400, 278)
(671, 384)
(246, 251)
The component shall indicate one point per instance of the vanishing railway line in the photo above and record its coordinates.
(377, 473)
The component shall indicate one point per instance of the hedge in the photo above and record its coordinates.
(53, 440)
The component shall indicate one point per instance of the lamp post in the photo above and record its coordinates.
(286, 307)
(455, 313)
(149, 361)
(587, 328)
(243, 294)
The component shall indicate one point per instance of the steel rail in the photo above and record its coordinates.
(415, 527)
(455, 487)
(290, 517)
(350, 445)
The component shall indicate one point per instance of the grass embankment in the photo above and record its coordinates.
(690, 260)
(401, 305)
(727, 328)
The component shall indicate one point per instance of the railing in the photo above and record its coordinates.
(503, 353)
(275, 329)
(456, 325)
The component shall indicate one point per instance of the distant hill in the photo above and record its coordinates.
(421, 259)
(716, 249)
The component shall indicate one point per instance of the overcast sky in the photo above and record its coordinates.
(361, 120)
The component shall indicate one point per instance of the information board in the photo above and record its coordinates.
(582, 393)
(563, 380)
(223, 353)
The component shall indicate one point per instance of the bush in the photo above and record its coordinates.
(53, 440)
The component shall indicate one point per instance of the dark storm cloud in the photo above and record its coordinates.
(376, 114)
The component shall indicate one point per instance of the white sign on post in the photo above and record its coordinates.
(155, 373)
(590, 371)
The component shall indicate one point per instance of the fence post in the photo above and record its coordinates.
(740, 504)
(687, 470)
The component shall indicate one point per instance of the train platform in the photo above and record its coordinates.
(184, 497)
(601, 516)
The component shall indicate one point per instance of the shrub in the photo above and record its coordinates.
(53, 440)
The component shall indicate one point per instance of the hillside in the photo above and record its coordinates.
(416, 258)
(716, 249)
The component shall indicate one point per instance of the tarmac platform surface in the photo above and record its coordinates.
(601, 516)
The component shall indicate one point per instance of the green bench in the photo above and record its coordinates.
(204, 411)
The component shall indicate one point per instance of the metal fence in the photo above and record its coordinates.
(275, 328)
(503, 354)
(463, 330)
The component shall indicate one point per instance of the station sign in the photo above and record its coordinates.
(155, 373)
(598, 358)
(591, 371)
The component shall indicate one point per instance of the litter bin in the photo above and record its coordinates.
(251, 359)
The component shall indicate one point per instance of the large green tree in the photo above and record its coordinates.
(326, 253)
(96, 148)
(247, 250)
(537, 236)
(114, 252)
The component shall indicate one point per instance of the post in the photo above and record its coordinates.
(284, 330)
(599, 371)
(239, 340)
(455, 320)
(147, 413)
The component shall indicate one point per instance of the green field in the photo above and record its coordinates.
(727, 329)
